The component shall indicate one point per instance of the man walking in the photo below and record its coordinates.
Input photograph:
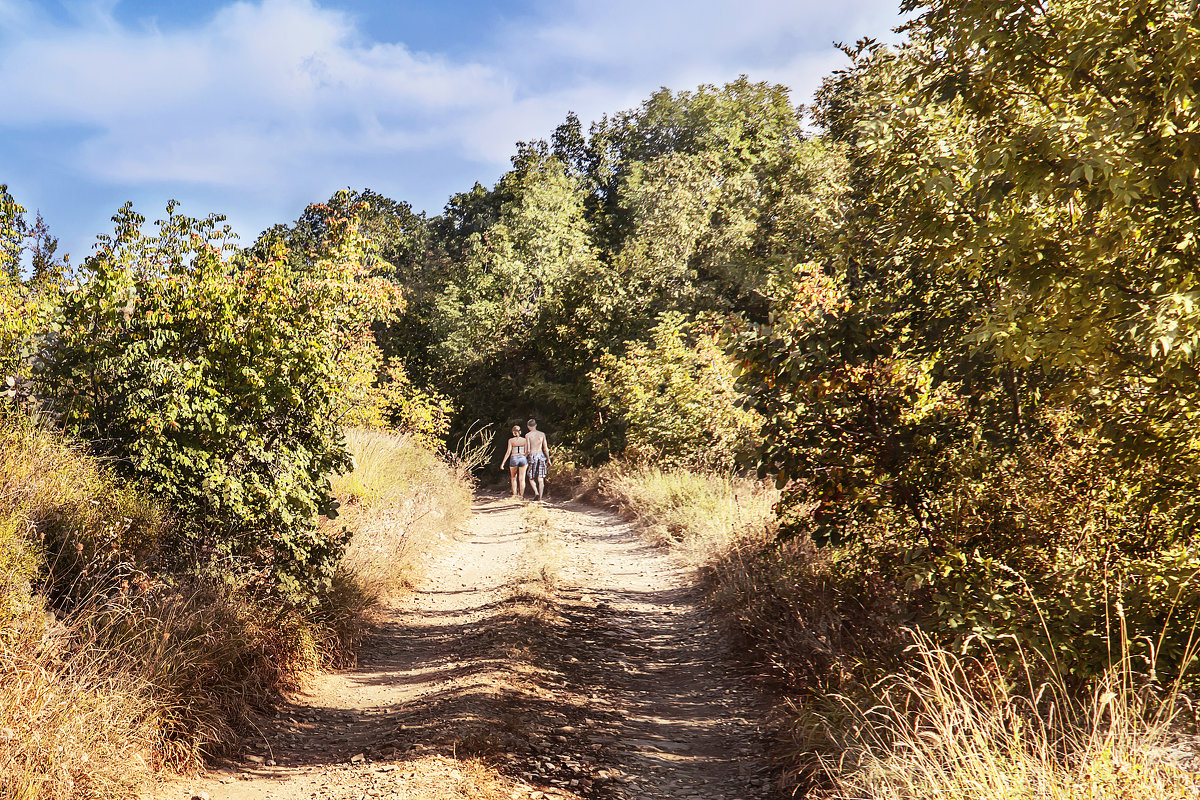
(539, 457)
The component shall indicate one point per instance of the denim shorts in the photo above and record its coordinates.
(518, 460)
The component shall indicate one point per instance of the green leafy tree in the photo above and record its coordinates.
(219, 380)
(976, 375)
(1041, 154)
(12, 236)
(675, 397)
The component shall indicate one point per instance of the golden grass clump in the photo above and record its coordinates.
(399, 501)
(700, 513)
(941, 731)
(68, 729)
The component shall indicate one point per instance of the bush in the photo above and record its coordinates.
(872, 716)
(675, 397)
(219, 382)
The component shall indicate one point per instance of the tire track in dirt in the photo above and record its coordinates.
(685, 724)
(550, 652)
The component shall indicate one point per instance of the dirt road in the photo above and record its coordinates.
(550, 652)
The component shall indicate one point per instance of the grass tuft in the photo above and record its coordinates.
(399, 502)
(940, 732)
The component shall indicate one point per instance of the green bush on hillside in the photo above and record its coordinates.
(220, 383)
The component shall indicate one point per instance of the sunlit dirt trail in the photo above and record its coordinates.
(548, 652)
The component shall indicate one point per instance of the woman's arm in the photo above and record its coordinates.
(504, 460)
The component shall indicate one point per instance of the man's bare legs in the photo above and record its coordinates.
(539, 486)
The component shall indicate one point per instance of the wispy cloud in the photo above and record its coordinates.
(267, 101)
(258, 90)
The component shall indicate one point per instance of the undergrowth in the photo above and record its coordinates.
(698, 512)
(399, 501)
(871, 710)
(937, 731)
(115, 662)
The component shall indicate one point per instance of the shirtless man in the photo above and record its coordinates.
(539, 457)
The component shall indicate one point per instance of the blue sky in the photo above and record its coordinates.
(255, 108)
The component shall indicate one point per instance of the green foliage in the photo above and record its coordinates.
(1041, 156)
(972, 394)
(12, 237)
(675, 397)
(395, 403)
(219, 382)
(692, 203)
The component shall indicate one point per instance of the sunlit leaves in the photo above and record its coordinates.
(220, 380)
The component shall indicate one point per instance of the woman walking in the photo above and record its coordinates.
(517, 460)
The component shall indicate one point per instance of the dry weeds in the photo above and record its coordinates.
(398, 502)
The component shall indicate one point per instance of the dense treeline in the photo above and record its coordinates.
(545, 294)
(993, 373)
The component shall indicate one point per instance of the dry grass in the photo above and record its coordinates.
(399, 502)
(69, 726)
(940, 732)
(869, 720)
(67, 729)
(697, 513)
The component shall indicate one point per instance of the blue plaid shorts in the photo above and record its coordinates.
(537, 466)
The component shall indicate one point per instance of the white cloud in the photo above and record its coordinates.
(259, 89)
(271, 103)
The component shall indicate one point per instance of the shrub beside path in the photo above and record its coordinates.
(548, 652)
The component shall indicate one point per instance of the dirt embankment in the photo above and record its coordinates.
(550, 652)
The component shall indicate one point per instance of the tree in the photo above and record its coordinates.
(12, 236)
(675, 397)
(991, 372)
(220, 379)
(1043, 152)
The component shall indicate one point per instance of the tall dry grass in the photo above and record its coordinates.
(67, 728)
(399, 502)
(942, 730)
(696, 513)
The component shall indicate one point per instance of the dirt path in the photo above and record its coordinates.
(549, 652)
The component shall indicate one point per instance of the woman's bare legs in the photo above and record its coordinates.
(512, 472)
(522, 471)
